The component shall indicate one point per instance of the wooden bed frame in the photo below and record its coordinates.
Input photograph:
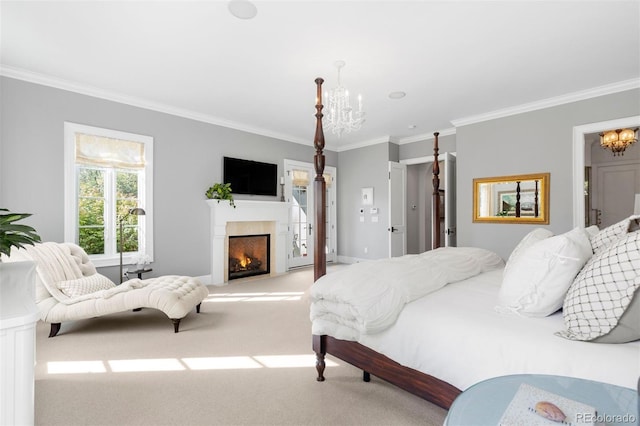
(371, 362)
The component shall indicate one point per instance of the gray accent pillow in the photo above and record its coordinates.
(628, 328)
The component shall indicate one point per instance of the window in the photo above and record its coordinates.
(107, 174)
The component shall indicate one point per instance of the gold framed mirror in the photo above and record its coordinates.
(512, 199)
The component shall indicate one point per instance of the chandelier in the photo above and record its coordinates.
(341, 117)
(618, 140)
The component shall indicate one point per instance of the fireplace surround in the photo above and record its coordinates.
(248, 218)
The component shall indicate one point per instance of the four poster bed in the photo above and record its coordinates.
(437, 338)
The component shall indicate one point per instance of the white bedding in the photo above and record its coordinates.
(455, 334)
(340, 307)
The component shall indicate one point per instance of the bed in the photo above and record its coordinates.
(443, 341)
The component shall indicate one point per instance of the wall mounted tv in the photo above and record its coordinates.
(250, 177)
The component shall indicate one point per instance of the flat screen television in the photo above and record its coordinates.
(250, 177)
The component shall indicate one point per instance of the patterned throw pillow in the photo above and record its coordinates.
(611, 233)
(85, 285)
(603, 290)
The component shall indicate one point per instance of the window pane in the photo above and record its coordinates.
(299, 209)
(127, 184)
(127, 199)
(130, 239)
(90, 211)
(90, 182)
(92, 240)
(91, 204)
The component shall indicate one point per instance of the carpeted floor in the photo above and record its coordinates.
(246, 359)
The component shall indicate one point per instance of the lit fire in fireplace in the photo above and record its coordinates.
(248, 255)
(244, 262)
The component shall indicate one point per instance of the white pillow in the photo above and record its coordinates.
(592, 231)
(85, 285)
(538, 279)
(530, 239)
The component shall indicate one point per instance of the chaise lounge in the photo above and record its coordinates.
(69, 288)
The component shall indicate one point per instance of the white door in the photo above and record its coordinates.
(397, 209)
(449, 200)
(616, 186)
(299, 192)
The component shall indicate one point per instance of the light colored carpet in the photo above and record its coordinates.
(246, 359)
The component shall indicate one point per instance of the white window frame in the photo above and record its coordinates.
(111, 257)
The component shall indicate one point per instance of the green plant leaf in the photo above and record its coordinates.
(15, 235)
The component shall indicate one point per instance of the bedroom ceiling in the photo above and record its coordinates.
(454, 60)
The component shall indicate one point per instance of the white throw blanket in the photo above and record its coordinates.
(55, 261)
(367, 297)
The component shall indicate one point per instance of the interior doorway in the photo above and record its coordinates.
(419, 201)
(583, 184)
(611, 182)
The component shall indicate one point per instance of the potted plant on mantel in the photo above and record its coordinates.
(220, 191)
(16, 278)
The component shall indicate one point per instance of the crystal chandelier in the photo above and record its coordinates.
(618, 140)
(341, 117)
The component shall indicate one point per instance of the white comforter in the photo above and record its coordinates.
(456, 335)
(341, 309)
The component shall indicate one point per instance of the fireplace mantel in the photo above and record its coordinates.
(246, 211)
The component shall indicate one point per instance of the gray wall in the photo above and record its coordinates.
(424, 148)
(537, 141)
(187, 160)
(363, 168)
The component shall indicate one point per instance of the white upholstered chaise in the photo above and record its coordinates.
(69, 288)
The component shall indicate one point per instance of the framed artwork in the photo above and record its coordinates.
(367, 196)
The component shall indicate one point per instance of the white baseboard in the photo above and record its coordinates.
(348, 259)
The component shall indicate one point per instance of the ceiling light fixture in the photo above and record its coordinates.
(341, 117)
(397, 95)
(618, 140)
(242, 9)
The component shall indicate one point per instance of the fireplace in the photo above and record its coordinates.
(248, 218)
(249, 255)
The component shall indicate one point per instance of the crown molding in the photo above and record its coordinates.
(551, 102)
(355, 145)
(37, 78)
(32, 77)
(426, 136)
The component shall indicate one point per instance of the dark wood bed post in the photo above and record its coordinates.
(319, 188)
(372, 363)
(435, 205)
